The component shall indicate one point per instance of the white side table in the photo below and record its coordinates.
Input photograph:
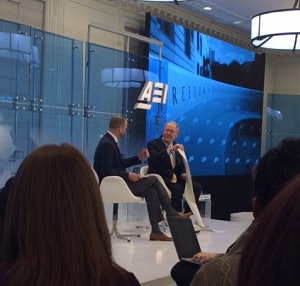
(205, 208)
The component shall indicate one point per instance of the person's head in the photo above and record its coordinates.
(170, 132)
(118, 125)
(272, 255)
(274, 170)
(55, 226)
(3, 203)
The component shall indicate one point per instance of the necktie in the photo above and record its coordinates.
(174, 178)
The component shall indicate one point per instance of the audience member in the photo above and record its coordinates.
(166, 161)
(3, 202)
(55, 227)
(274, 170)
(109, 162)
(272, 255)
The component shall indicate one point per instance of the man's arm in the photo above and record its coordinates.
(222, 270)
(156, 151)
(159, 161)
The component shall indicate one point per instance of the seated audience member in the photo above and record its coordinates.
(274, 170)
(109, 162)
(166, 161)
(272, 255)
(3, 202)
(55, 228)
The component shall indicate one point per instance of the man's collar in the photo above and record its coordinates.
(168, 145)
(113, 136)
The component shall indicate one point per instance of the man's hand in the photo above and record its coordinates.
(144, 154)
(133, 177)
(204, 257)
(183, 176)
(175, 147)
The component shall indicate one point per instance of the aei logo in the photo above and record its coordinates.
(152, 92)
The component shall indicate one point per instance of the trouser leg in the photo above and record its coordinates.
(183, 273)
(177, 191)
(164, 199)
(197, 188)
(146, 188)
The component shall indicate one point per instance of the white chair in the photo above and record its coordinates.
(144, 172)
(114, 190)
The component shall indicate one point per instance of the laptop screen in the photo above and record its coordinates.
(184, 237)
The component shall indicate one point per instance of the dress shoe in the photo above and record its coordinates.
(160, 237)
(184, 215)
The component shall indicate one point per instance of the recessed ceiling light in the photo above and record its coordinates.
(207, 8)
(237, 22)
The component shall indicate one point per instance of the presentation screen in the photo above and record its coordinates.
(215, 94)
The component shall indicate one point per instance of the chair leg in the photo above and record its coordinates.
(115, 226)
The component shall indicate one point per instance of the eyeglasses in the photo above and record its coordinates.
(170, 131)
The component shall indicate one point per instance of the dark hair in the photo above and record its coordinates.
(3, 197)
(275, 169)
(3, 203)
(272, 255)
(55, 227)
(117, 121)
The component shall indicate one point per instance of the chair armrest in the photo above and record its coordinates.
(144, 172)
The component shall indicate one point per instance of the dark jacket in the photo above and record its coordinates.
(108, 160)
(159, 160)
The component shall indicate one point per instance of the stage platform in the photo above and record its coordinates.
(151, 261)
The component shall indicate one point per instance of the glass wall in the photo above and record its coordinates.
(55, 89)
(282, 118)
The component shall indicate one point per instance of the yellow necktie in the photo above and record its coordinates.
(174, 178)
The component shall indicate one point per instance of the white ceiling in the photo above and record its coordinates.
(226, 12)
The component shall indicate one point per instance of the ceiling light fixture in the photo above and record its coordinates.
(278, 29)
(126, 77)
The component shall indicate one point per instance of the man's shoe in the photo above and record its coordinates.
(184, 215)
(160, 237)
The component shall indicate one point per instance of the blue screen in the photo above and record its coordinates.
(214, 94)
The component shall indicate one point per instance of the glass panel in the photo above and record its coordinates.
(19, 61)
(282, 118)
(41, 92)
(114, 82)
(62, 100)
(55, 89)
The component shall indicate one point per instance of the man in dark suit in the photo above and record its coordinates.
(109, 162)
(166, 161)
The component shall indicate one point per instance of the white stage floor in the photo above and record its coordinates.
(151, 260)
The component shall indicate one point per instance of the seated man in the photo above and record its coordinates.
(109, 162)
(274, 170)
(166, 161)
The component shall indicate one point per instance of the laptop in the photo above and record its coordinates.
(184, 238)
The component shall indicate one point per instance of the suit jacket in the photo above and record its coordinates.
(159, 160)
(108, 160)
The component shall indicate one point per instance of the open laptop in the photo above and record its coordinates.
(184, 238)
